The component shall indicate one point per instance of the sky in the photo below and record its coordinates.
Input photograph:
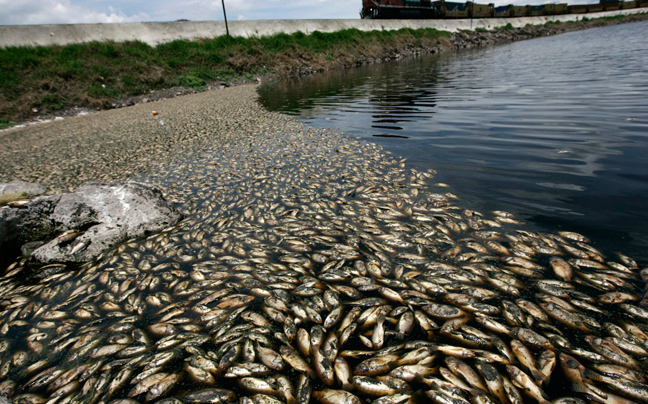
(15, 12)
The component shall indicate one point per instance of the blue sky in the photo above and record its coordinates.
(92, 11)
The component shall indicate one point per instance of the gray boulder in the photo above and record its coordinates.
(79, 226)
(19, 225)
(20, 187)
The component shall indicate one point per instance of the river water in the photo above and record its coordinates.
(554, 130)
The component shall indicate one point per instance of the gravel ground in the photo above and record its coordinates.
(122, 144)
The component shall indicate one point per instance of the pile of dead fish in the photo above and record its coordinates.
(312, 268)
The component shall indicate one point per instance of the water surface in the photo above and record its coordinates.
(554, 129)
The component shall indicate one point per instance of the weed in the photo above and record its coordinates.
(52, 102)
(191, 80)
(6, 123)
(102, 71)
(481, 29)
(225, 74)
(103, 91)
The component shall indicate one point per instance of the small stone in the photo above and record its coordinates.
(29, 188)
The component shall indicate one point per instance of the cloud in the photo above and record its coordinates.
(60, 12)
(94, 11)
(198, 10)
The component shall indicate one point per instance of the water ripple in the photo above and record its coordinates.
(554, 128)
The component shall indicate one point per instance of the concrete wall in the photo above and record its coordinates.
(155, 33)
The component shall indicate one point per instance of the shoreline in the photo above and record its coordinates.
(289, 230)
(74, 155)
(304, 65)
(120, 144)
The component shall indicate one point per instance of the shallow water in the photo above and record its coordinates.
(554, 129)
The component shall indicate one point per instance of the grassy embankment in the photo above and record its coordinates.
(41, 80)
(94, 74)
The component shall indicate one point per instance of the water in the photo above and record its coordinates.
(554, 129)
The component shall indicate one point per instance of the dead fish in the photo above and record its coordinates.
(163, 386)
(269, 357)
(214, 396)
(372, 387)
(377, 365)
(561, 268)
(295, 361)
(524, 382)
(328, 396)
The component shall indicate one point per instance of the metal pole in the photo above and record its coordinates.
(225, 14)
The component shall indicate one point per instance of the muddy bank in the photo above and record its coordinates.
(474, 39)
(480, 38)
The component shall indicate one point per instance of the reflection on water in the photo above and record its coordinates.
(554, 129)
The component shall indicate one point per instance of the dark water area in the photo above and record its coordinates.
(554, 130)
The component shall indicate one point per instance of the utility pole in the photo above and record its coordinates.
(225, 14)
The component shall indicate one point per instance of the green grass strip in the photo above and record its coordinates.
(92, 74)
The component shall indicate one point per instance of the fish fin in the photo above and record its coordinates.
(418, 379)
(538, 376)
(591, 389)
(592, 375)
(578, 387)
(348, 387)
(594, 398)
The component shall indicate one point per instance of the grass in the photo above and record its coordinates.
(95, 74)
(6, 123)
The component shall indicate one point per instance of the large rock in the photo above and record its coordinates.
(27, 223)
(81, 225)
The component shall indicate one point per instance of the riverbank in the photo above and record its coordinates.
(43, 83)
(296, 237)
